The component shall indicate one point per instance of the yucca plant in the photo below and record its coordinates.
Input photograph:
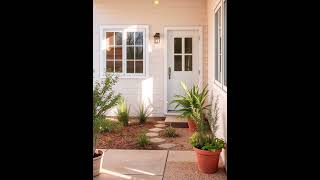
(123, 112)
(143, 113)
(194, 98)
(103, 99)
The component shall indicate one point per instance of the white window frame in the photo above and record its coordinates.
(124, 29)
(220, 5)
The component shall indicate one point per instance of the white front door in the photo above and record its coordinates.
(183, 62)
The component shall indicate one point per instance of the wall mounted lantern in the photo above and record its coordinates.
(156, 38)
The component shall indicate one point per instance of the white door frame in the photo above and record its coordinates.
(165, 72)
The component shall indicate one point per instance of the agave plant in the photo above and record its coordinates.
(194, 99)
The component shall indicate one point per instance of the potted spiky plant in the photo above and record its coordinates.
(194, 98)
(103, 99)
(205, 143)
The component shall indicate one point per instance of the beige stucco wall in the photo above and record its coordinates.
(144, 12)
(214, 89)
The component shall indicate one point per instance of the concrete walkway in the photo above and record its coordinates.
(153, 165)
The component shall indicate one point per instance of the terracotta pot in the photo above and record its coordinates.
(207, 160)
(97, 163)
(192, 125)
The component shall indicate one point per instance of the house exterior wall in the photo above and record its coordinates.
(214, 89)
(144, 12)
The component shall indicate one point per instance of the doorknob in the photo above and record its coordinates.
(169, 72)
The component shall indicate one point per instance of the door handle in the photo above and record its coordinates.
(169, 72)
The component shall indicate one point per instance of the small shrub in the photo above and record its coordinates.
(142, 139)
(143, 113)
(170, 132)
(123, 112)
(206, 141)
(111, 126)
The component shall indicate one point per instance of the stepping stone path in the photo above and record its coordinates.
(156, 140)
(166, 145)
(151, 134)
(160, 125)
(155, 129)
(154, 133)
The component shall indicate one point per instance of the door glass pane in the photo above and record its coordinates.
(139, 53)
(130, 66)
(139, 67)
(110, 38)
(110, 66)
(187, 45)
(130, 38)
(139, 38)
(188, 63)
(177, 45)
(118, 52)
(130, 53)
(110, 53)
(118, 38)
(177, 63)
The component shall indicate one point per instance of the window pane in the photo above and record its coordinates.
(118, 66)
(139, 67)
(130, 66)
(139, 38)
(110, 66)
(130, 52)
(177, 63)
(139, 52)
(110, 53)
(187, 45)
(130, 38)
(110, 38)
(188, 63)
(177, 45)
(118, 51)
(118, 38)
(225, 43)
(216, 38)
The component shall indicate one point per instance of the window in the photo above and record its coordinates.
(220, 39)
(124, 50)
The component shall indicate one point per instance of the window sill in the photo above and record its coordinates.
(128, 76)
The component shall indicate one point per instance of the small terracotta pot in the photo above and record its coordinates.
(97, 163)
(192, 125)
(207, 160)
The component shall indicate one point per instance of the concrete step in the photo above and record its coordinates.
(176, 122)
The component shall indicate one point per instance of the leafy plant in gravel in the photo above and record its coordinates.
(111, 126)
(123, 112)
(142, 139)
(104, 99)
(170, 132)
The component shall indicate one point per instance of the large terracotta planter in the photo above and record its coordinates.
(97, 163)
(192, 125)
(207, 160)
